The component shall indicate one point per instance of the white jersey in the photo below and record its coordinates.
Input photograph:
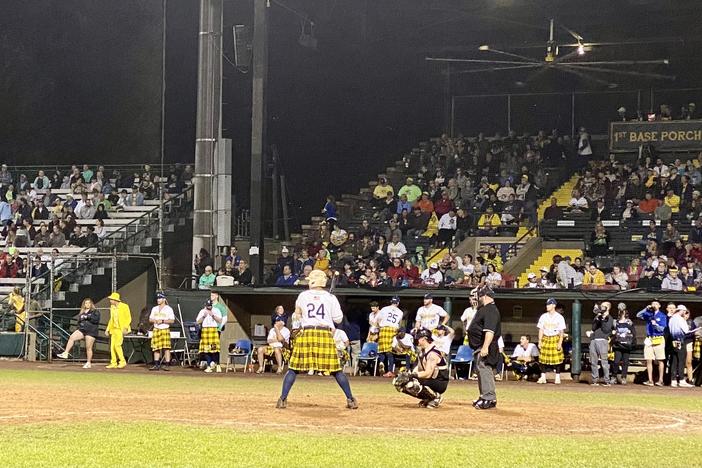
(273, 338)
(206, 320)
(551, 324)
(467, 316)
(318, 308)
(430, 316)
(373, 320)
(390, 316)
(166, 313)
(443, 343)
(407, 342)
(340, 339)
(531, 351)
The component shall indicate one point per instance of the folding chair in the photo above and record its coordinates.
(191, 343)
(464, 355)
(245, 348)
(369, 352)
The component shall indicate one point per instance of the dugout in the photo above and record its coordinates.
(520, 308)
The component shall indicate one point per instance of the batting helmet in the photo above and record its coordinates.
(317, 279)
(424, 333)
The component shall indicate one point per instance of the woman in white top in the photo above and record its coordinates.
(493, 278)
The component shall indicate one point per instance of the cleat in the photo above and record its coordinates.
(155, 367)
(87, 365)
(486, 404)
(111, 366)
(121, 365)
(684, 384)
(351, 403)
(282, 403)
(165, 368)
(422, 404)
(557, 381)
(542, 380)
(208, 370)
(476, 402)
(673, 383)
(63, 355)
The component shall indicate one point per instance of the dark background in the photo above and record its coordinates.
(81, 79)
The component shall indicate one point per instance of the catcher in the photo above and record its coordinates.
(318, 312)
(429, 380)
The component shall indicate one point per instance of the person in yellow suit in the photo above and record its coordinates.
(120, 323)
(16, 300)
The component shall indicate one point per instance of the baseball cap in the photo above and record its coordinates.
(434, 266)
(543, 268)
(428, 296)
(531, 276)
(160, 295)
(550, 301)
(373, 303)
(208, 303)
(395, 300)
(681, 308)
(279, 318)
(486, 291)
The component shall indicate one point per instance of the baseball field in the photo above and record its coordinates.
(55, 415)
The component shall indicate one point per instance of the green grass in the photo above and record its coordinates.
(165, 444)
(177, 445)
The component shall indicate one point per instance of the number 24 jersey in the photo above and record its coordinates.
(318, 309)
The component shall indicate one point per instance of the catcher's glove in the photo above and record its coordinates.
(402, 379)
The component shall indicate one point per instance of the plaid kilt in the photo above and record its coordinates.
(161, 339)
(269, 353)
(315, 350)
(209, 340)
(385, 339)
(697, 349)
(344, 356)
(548, 354)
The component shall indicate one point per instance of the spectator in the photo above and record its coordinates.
(100, 230)
(283, 260)
(578, 203)
(648, 205)
(242, 275)
(5, 213)
(396, 249)
(443, 205)
(425, 204)
(599, 241)
(287, 278)
(672, 282)
(57, 238)
(432, 276)
(447, 228)
(381, 192)
(493, 277)
(594, 276)
(679, 331)
(410, 272)
(207, 279)
(618, 277)
(40, 211)
(602, 327)
(600, 212)
(567, 276)
(654, 345)
(100, 213)
(329, 211)
(505, 192)
(672, 200)
(623, 344)
(410, 190)
(488, 223)
(403, 205)
(453, 275)
(532, 281)
(553, 211)
(418, 223)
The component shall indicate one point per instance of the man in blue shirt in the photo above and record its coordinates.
(287, 278)
(5, 213)
(654, 344)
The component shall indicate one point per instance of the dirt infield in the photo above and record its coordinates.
(316, 404)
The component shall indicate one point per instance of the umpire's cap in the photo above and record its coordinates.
(486, 291)
(395, 300)
(424, 333)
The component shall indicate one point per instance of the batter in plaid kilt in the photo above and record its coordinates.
(161, 317)
(318, 312)
(209, 319)
(389, 319)
(551, 331)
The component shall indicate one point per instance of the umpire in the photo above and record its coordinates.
(483, 332)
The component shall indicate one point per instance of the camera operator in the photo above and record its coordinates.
(602, 327)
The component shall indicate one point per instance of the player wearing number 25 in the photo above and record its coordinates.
(318, 312)
(389, 319)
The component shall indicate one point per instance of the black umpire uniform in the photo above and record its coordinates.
(487, 318)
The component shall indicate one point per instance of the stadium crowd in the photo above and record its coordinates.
(42, 209)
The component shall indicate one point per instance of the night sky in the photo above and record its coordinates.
(81, 79)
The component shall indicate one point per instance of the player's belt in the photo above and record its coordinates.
(317, 328)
